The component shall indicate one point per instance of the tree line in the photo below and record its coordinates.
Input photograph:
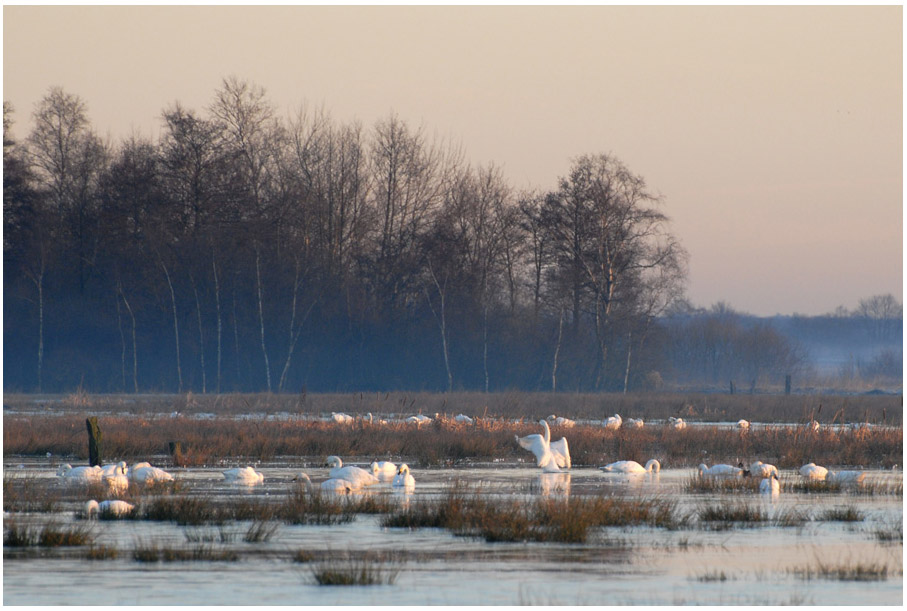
(246, 251)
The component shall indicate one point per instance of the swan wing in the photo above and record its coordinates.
(561, 452)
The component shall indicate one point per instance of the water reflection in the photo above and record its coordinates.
(553, 484)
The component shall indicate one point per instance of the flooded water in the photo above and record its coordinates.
(633, 565)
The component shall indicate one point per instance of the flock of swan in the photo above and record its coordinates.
(551, 457)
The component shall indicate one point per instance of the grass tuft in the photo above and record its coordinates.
(858, 571)
(841, 514)
(349, 570)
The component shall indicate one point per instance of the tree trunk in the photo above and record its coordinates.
(261, 318)
(201, 337)
(176, 327)
(557, 350)
(629, 352)
(94, 441)
(219, 322)
(442, 322)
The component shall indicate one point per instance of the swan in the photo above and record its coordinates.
(743, 424)
(357, 476)
(403, 479)
(560, 421)
(845, 477)
(761, 469)
(677, 423)
(418, 420)
(119, 468)
(540, 445)
(144, 473)
(561, 452)
(243, 475)
(634, 423)
(111, 508)
(463, 418)
(613, 422)
(80, 474)
(333, 485)
(770, 485)
(383, 470)
(813, 426)
(720, 470)
(813, 471)
(631, 466)
(116, 484)
(341, 418)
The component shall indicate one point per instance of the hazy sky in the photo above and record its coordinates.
(773, 133)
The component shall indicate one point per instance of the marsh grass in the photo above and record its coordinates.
(841, 514)
(49, 535)
(713, 576)
(445, 441)
(697, 484)
(857, 571)
(29, 494)
(303, 556)
(222, 535)
(101, 552)
(261, 531)
(151, 552)
(349, 570)
(892, 533)
(467, 513)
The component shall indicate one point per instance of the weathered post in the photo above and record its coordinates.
(787, 384)
(732, 386)
(94, 441)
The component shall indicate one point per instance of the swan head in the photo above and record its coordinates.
(304, 479)
(334, 462)
(653, 465)
(404, 468)
(64, 469)
(703, 469)
(91, 507)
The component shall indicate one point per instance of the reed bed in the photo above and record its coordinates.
(49, 535)
(567, 520)
(841, 514)
(444, 441)
(704, 407)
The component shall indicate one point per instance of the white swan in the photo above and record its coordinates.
(677, 423)
(813, 426)
(341, 418)
(634, 423)
(743, 424)
(761, 469)
(243, 475)
(463, 418)
(418, 420)
(845, 477)
(116, 484)
(82, 475)
(561, 421)
(383, 470)
(813, 471)
(770, 485)
(631, 466)
(332, 486)
(117, 469)
(144, 473)
(613, 422)
(113, 508)
(720, 471)
(540, 445)
(357, 476)
(403, 479)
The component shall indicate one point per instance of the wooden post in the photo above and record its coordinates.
(787, 384)
(732, 386)
(94, 441)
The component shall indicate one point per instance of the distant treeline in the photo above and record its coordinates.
(243, 251)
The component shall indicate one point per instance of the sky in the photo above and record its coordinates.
(773, 134)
